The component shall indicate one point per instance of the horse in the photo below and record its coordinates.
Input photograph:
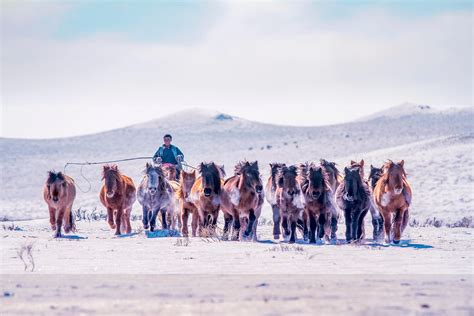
(59, 193)
(242, 200)
(334, 180)
(170, 171)
(377, 219)
(156, 195)
(270, 195)
(183, 192)
(117, 195)
(317, 195)
(289, 200)
(353, 197)
(206, 196)
(393, 194)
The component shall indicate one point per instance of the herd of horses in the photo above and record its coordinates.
(309, 197)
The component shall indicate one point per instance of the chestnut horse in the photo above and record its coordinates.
(289, 201)
(393, 195)
(317, 195)
(117, 195)
(156, 195)
(206, 196)
(183, 195)
(270, 195)
(59, 193)
(377, 219)
(353, 198)
(170, 171)
(241, 201)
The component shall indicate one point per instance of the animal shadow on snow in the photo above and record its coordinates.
(72, 237)
(403, 244)
(161, 233)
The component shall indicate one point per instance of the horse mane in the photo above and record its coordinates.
(274, 167)
(362, 193)
(314, 166)
(217, 171)
(158, 169)
(53, 176)
(247, 167)
(385, 171)
(110, 168)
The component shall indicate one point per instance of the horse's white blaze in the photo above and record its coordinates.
(234, 196)
(386, 197)
(398, 191)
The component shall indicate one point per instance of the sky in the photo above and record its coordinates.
(79, 67)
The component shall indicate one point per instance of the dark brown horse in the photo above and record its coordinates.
(206, 196)
(289, 201)
(117, 195)
(317, 195)
(59, 193)
(241, 201)
(353, 198)
(270, 195)
(393, 195)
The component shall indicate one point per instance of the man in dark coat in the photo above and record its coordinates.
(168, 153)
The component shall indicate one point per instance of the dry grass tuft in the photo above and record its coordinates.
(26, 256)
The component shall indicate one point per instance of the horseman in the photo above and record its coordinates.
(169, 154)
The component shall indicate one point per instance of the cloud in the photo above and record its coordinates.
(277, 62)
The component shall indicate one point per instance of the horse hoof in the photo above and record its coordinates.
(146, 226)
(396, 242)
(312, 241)
(291, 241)
(113, 226)
(53, 227)
(276, 237)
(57, 235)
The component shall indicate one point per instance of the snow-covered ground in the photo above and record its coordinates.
(431, 272)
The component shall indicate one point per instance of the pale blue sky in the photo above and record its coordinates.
(138, 60)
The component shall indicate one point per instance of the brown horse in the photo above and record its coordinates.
(206, 196)
(170, 171)
(183, 195)
(317, 195)
(393, 195)
(59, 193)
(289, 201)
(334, 180)
(241, 201)
(270, 195)
(377, 219)
(117, 195)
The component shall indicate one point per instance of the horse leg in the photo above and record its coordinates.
(355, 225)
(327, 225)
(194, 222)
(293, 220)
(305, 226)
(333, 226)
(236, 227)
(249, 227)
(321, 224)
(126, 220)
(118, 221)
(154, 214)
(110, 218)
(227, 225)
(284, 225)
(348, 219)
(360, 226)
(254, 229)
(164, 222)
(276, 222)
(69, 225)
(52, 217)
(215, 216)
(313, 224)
(406, 217)
(146, 217)
(398, 225)
(387, 220)
(59, 222)
(184, 220)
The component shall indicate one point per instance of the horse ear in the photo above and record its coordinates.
(362, 163)
(346, 170)
(352, 162)
(400, 163)
(60, 176)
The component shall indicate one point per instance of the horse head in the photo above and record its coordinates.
(375, 175)
(187, 179)
(56, 184)
(211, 178)
(155, 178)
(250, 175)
(317, 181)
(352, 183)
(287, 181)
(112, 178)
(394, 174)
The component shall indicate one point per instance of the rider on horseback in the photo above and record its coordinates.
(169, 154)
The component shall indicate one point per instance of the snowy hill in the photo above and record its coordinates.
(436, 145)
